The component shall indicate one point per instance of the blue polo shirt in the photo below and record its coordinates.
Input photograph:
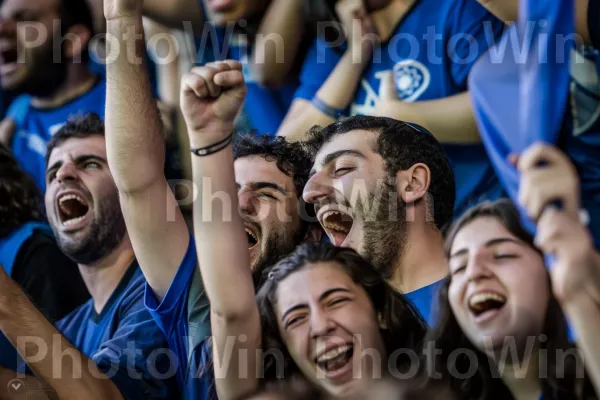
(35, 127)
(184, 317)
(431, 53)
(124, 341)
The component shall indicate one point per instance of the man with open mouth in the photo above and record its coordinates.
(270, 176)
(82, 203)
(385, 189)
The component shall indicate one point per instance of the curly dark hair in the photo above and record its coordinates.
(401, 145)
(405, 329)
(448, 335)
(20, 200)
(78, 126)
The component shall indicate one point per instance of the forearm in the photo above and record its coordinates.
(337, 92)
(449, 119)
(38, 341)
(220, 237)
(174, 13)
(583, 313)
(134, 132)
(16, 386)
(277, 42)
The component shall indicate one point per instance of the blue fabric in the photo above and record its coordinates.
(519, 100)
(264, 108)
(425, 300)
(35, 127)
(424, 69)
(186, 337)
(9, 249)
(111, 337)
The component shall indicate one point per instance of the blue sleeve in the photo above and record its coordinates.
(137, 358)
(472, 31)
(173, 307)
(319, 63)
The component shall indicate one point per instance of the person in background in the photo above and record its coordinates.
(385, 189)
(408, 60)
(110, 338)
(29, 254)
(56, 80)
(498, 306)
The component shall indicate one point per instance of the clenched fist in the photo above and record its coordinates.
(211, 98)
(114, 9)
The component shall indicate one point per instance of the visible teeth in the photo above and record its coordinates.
(73, 221)
(333, 353)
(331, 224)
(71, 197)
(480, 298)
(249, 232)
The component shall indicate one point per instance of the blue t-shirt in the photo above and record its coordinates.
(35, 127)
(430, 53)
(124, 341)
(184, 317)
(425, 300)
(264, 108)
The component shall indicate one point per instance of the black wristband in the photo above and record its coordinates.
(213, 148)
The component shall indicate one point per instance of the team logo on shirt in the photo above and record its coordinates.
(412, 79)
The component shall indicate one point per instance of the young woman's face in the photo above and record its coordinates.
(499, 286)
(327, 323)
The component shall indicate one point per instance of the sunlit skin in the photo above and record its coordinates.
(13, 13)
(222, 12)
(346, 169)
(268, 203)
(319, 307)
(486, 257)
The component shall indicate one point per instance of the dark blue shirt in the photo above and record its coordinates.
(35, 127)
(124, 341)
(184, 317)
(430, 52)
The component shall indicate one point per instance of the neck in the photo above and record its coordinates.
(103, 276)
(523, 379)
(79, 80)
(387, 18)
(423, 261)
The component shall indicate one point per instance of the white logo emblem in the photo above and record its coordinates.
(412, 79)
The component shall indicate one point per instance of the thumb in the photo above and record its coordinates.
(387, 89)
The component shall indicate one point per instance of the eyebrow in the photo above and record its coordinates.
(78, 160)
(337, 154)
(254, 186)
(489, 243)
(323, 296)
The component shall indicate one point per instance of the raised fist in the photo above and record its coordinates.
(114, 9)
(211, 98)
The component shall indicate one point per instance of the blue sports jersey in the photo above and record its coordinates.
(264, 108)
(430, 53)
(124, 341)
(184, 317)
(35, 127)
(425, 300)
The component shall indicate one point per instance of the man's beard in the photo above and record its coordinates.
(45, 75)
(385, 227)
(106, 233)
(278, 245)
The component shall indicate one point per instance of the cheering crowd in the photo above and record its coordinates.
(380, 202)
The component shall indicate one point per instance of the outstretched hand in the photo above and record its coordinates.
(211, 98)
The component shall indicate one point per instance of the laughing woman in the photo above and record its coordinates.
(327, 316)
(502, 333)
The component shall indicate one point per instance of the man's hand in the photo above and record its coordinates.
(360, 29)
(114, 9)
(547, 176)
(211, 98)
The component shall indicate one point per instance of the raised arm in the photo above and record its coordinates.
(337, 92)
(211, 98)
(29, 331)
(136, 152)
(277, 42)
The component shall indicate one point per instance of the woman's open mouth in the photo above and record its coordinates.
(336, 362)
